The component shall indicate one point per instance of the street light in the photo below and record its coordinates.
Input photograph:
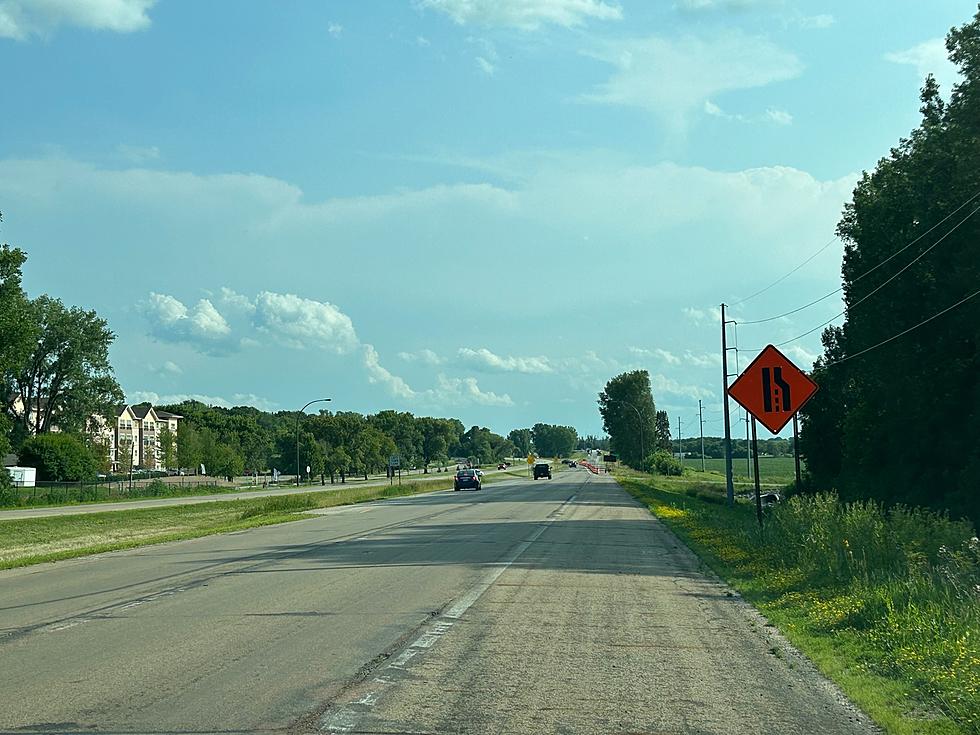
(317, 400)
(638, 416)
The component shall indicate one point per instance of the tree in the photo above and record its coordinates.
(188, 446)
(438, 435)
(884, 406)
(60, 457)
(521, 439)
(67, 377)
(554, 441)
(18, 331)
(403, 428)
(627, 410)
(168, 446)
(661, 432)
(226, 462)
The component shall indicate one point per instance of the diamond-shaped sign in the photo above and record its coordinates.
(772, 389)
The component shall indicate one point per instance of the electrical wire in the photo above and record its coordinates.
(881, 285)
(783, 278)
(904, 332)
(857, 278)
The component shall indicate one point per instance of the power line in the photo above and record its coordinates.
(862, 275)
(884, 283)
(783, 278)
(903, 333)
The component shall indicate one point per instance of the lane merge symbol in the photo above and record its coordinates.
(772, 389)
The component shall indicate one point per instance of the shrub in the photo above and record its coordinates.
(58, 457)
(664, 463)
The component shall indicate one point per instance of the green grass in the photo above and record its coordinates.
(34, 540)
(778, 470)
(887, 604)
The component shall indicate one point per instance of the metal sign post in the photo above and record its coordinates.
(758, 487)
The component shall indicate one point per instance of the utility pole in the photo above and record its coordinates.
(701, 421)
(748, 454)
(680, 443)
(730, 487)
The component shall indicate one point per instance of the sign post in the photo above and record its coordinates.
(530, 461)
(773, 390)
(394, 462)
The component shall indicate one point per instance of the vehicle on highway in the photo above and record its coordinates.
(467, 479)
(503, 466)
(542, 469)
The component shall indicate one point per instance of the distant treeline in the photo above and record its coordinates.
(233, 441)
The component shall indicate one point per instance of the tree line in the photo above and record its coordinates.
(894, 420)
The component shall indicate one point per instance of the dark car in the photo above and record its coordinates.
(467, 479)
(542, 469)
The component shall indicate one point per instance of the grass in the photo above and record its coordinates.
(35, 540)
(779, 470)
(886, 603)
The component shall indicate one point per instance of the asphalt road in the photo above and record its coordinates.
(530, 607)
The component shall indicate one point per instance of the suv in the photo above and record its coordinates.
(542, 469)
(467, 478)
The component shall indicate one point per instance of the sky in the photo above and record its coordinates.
(473, 208)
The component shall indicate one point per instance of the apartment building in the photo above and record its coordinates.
(134, 440)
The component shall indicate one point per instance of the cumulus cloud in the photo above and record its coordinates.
(484, 359)
(424, 356)
(335, 29)
(461, 391)
(674, 77)
(21, 19)
(237, 399)
(928, 57)
(301, 323)
(527, 15)
(378, 374)
(780, 117)
(202, 325)
(485, 66)
(661, 384)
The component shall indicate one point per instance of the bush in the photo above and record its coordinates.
(664, 463)
(58, 457)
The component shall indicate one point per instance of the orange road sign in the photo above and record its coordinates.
(772, 389)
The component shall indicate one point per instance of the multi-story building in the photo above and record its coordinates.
(134, 441)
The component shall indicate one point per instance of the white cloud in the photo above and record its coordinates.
(169, 366)
(485, 66)
(301, 323)
(696, 5)
(674, 77)
(21, 19)
(928, 57)
(335, 29)
(461, 391)
(424, 356)
(527, 15)
(801, 356)
(378, 374)
(202, 326)
(422, 41)
(138, 154)
(237, 399)
(780, 117)
(816, 22)
(484, 359)
(660, 384)
(707, 359)
(235, 301)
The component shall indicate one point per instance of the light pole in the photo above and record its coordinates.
(316, 400)
(638, 416)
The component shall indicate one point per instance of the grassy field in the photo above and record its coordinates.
(33, 540)
(771, 469)
(886, 604)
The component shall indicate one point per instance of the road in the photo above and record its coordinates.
(244, 494)
(530, 607)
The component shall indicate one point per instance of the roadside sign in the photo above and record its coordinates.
(394, 461)
(531, 458)
(772, 389)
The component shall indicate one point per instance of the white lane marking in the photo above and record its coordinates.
(346, 717)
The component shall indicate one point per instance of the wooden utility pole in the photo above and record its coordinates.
(730, 487)
(701, 421)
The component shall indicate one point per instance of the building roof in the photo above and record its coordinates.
(141, 411)
(167, 415)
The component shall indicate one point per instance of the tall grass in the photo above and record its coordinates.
(895, 591)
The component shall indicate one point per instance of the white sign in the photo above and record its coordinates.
(22, 476)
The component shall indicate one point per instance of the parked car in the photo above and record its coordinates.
(467, 479)
(542, 469)
(502, 466)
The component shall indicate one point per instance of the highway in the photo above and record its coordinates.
(555, 606)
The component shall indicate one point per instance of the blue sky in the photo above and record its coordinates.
(471, 208)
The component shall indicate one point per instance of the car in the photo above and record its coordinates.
(542, 469)
(467, 479)
(502, 466)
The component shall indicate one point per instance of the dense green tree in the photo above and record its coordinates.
(168, 447)
(18, 331)
(58, 456)
(551, 440)
(406, 432)
(67, 377)
(188, 446)
(522, 439)
(911, 251)
(628, 414)
(438, 435)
